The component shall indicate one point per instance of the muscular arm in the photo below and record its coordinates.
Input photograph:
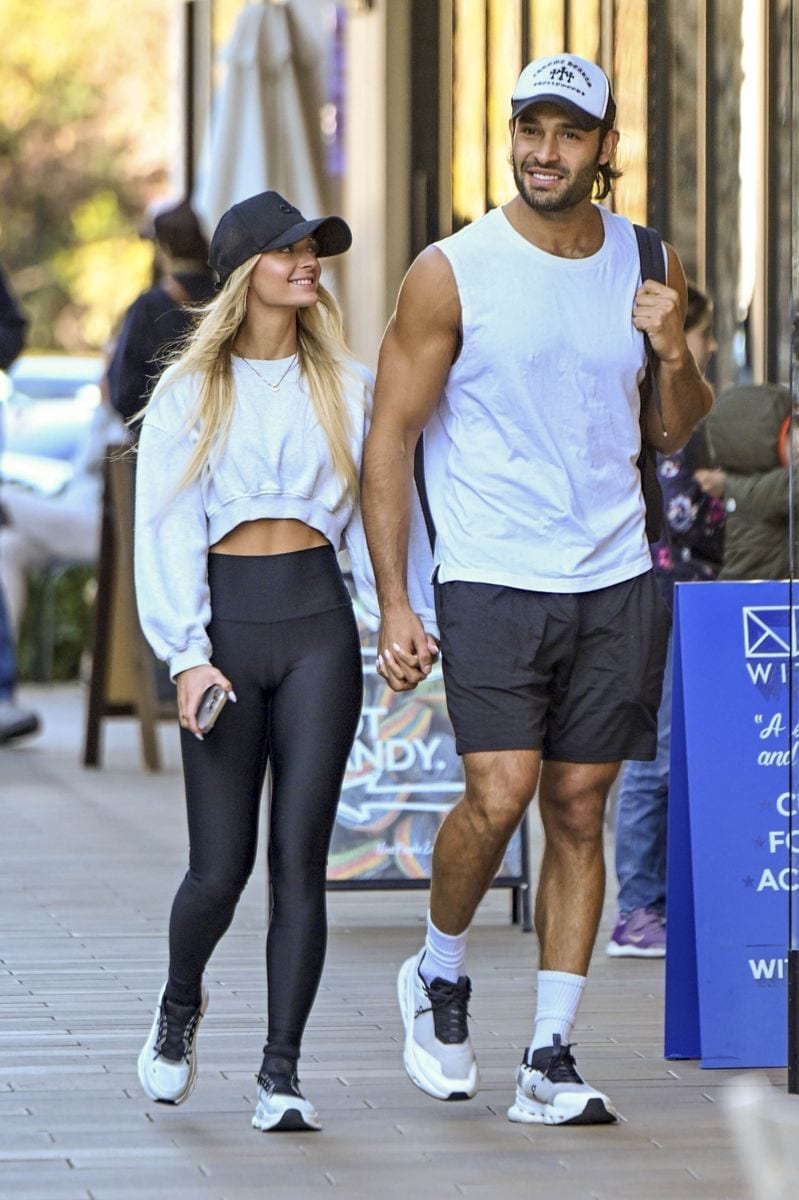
(659, 311)
(418, 349)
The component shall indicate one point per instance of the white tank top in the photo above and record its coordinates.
(530, 457)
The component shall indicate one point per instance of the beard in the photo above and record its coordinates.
(577, 188)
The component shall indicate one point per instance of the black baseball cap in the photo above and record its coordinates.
(269, 222)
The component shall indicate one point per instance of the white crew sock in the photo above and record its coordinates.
(444, 954)
(559, 995)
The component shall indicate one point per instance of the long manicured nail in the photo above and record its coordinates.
(232, 696)
(199, 737)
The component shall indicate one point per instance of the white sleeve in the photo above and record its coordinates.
(420, 567)
(171, 552)
(354, 540)
(420, 558)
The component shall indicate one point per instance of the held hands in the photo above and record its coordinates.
(406, 653)
(192, 686)
(656, 312)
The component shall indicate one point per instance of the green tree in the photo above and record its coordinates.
(85, 144)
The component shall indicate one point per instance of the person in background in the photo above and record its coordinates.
(12, 325)
(159, 319)
(691, 548)
(61, 525)
(15, 720)
(246, 486)
(750, 442)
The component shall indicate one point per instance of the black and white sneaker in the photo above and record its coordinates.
(551, 1091)
(16, 721)
(437, 1055)
(281, 1105)
(168, 1060)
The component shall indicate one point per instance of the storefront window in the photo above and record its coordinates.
(789, 29)
(547, 27)
(781, 208)
(630, 88)
(504, 64)
(584, 32)
(469, 111)
(491, 42)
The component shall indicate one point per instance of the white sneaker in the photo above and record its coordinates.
(168, 1060)
(438, 1055)
(281, 1105)
(550, 1091)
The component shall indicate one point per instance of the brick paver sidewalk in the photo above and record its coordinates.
(89, 861)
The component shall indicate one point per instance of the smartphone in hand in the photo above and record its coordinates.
(211, 705)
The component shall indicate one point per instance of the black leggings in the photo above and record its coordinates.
(284, 633)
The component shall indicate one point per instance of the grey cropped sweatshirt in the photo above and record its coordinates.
(275, 463)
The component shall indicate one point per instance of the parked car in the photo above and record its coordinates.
(56, 376)
(47, 402)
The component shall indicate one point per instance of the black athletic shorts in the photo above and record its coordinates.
(577, 676)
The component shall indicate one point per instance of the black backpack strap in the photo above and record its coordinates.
(650, 253)
(421, 488)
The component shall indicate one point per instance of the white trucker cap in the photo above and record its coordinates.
(573, 83)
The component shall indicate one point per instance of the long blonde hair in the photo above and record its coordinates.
(322, 356)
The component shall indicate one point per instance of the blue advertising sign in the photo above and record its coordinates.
(730, 865)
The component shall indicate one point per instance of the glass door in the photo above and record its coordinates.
(787, 295)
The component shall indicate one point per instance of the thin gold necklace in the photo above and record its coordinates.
(274, 386)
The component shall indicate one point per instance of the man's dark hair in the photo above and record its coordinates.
(179, 232)
(606, 173)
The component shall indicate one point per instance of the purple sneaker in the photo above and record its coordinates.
(642, 935)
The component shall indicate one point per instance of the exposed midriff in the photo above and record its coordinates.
(269, 535)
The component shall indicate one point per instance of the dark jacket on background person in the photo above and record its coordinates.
(154, 325)
(749, 435)
(12, 325)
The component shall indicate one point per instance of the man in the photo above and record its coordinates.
(516, 346)
(15, 720)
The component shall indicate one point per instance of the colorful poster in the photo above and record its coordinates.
(403, 777)
(731, 864)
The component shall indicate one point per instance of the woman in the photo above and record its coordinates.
(247, 484)
(690, 548)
